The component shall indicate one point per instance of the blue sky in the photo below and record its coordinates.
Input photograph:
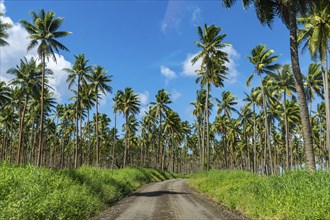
(147, 45)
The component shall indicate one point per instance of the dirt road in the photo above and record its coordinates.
(171, 199)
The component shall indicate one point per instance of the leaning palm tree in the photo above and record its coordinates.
(100, 80)
(263, 61)
(44, 33)
(287, 11)
(78, 74)
(316, 34)
(128, 104)
(3, 32)
(213, 69)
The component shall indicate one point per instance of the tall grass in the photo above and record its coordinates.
(295, 195)
(40, 193)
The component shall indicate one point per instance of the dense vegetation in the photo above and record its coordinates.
(278, 126)
(41, 193)
(283, 125)
(295, 195)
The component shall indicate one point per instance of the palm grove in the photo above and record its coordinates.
(277, 128)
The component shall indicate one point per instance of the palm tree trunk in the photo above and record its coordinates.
(159, 156)
(199, 140)
(20, 141)
(77, 126)
(41, 138)
(324, 62)
(126, 138)
(203, 144)
(81, 140)
(114, 142)
(255, 163)
(89, 139)
(286, 132)
(173, 157)
(207, 128)
(307, 132)
(267, 135)
(97, 129)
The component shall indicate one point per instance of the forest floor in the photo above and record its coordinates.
(170, 199)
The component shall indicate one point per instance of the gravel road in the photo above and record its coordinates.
(167, 200)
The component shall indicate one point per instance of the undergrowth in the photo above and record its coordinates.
(295, 195)
(40, 193)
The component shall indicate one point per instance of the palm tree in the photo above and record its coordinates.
(44, 32)
(251, 99)
(263, 61)
(284, 82)
(225, 106)
(87, 100)
(288, 11)
(212, 70)
(313, 84)
(316, 34)
(129, 105)
(199, 106)
(4, 94)
(100, 80)
(159, 108)
(3, 34)
(172, 126)
(28, 77)
(115, 107)
(78, 73)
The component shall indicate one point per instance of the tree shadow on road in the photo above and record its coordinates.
(158, 193)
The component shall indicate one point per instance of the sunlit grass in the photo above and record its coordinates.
(295, 195)
(40, 193)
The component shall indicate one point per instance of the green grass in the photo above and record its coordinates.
(295, 195)
(40, 193)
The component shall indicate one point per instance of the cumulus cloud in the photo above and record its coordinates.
(188, 68)
(10, 56)
(168, 73)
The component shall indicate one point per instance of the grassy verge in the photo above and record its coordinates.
(295, 195)
(39, 193)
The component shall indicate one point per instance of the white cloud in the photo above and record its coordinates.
(10, 56)
(188, 68)
(175, 94)
(168, 73)
(144, 97)
(233, 57)
(2, 7)
(58, 80)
